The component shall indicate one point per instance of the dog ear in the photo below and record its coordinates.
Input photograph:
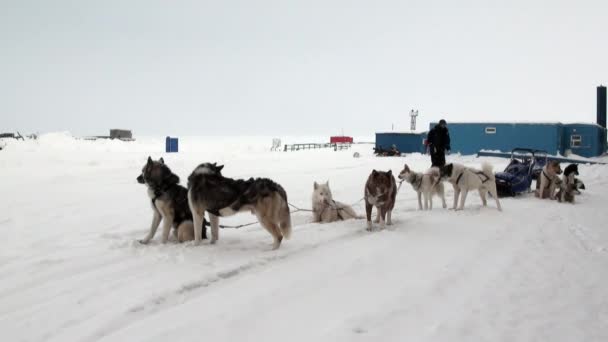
(149, 160)
(374, 172)
(390, 172)
(162, 161)
(316, 185)
(219, 168)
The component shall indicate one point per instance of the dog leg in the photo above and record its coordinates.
(185, 231)
(271, 227)
(463, 198)
(543, 186)
(494, 194)
(389, 220)
(155, 222)
(381, 217)
(426, 200)
(167, 223)
(215, 227)
(482, 194)
(552, 188)
(419, 200)
(368, 213)
(441, 193)
(456, 195)
(198, 216)
(316, 216)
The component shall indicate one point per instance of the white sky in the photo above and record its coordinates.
(295, 67)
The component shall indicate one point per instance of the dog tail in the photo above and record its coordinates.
(434, 175)
(284, 215)
(488, 169)
(285, 220)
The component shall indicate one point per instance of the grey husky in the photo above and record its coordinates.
(427, 184)
(169, 202)
(209, 191)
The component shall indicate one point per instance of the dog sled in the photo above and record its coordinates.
(525, 166)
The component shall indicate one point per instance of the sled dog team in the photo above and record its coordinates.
(183, 209)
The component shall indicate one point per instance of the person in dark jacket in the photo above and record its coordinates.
(439, 141)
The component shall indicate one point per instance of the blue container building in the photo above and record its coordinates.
(583, 139)
(406, 142)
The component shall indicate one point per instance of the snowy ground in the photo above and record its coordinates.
(70, 269)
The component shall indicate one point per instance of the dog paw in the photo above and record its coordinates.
(144, 241)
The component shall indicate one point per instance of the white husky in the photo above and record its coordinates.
(425, 184)
(465, 179)
(325, 209)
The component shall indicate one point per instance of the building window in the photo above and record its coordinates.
(576, 140)
(490, 130)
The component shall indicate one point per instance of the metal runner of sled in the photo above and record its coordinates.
(559, 159)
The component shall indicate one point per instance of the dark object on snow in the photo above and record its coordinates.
(122, 134)
(12, 135)
(438, 140)
(392, 152)
(526, 165)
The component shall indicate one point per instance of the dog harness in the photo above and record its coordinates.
(333, 206)
(478, 173)
(549, 178)
(419, 183)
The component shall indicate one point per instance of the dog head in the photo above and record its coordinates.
(155, 173)
(208, 169)
(571, 169)
(322, 193)
(553, 168)
(446, 171)
(380, 182)
(405, 172)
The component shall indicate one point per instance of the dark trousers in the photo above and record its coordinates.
(437, 156)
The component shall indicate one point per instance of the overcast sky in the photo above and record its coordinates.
(296, 67)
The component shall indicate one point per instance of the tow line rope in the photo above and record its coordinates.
(297, 209)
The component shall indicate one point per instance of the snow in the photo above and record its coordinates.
(71, 269)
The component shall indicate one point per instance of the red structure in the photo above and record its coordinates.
(341, 140)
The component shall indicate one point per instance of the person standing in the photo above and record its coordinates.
(439, 142)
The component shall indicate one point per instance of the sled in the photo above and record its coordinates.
(525, 166)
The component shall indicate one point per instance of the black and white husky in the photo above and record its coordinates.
(169, 202)
(465, 179)
(209, 191)
(425, 184)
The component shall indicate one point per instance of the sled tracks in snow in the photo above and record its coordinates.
(193, 289)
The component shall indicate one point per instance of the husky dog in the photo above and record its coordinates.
(325, 209)
(578, 186)
(380, 192)
(568, 187)
(465, 179)
(169, 203)
(548, 180)
(427, 184)
(209, 191)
